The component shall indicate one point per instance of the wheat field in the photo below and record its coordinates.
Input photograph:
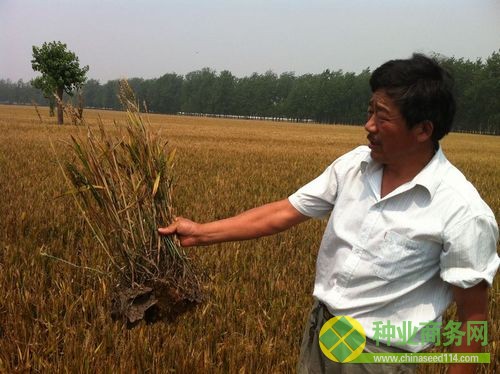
(54, 316)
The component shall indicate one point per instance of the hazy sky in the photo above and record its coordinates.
(148, 38)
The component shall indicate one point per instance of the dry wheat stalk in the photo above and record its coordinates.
(123, 188)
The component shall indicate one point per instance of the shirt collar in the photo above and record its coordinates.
(429, 177)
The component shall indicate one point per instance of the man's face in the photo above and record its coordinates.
(390, 139)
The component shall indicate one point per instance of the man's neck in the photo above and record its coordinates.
(404, 170)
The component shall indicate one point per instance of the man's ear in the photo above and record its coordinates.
(424, 130)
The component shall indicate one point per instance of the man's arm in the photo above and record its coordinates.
(472, 305)
(265, 220)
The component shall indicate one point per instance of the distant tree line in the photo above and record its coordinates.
(328, 97)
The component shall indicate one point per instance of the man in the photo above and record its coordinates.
(407, 232)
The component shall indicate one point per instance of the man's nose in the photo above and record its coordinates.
(370, 124)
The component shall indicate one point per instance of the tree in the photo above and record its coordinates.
(284, 85)
(223, 91)
(92, 94)
(300, 103)
(60, 70)
(166, 95)
(198, 91)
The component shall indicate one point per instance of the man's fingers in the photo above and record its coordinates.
(185, 230)
(169, 230)
(165, 231)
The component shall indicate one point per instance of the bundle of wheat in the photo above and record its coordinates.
(123, 188)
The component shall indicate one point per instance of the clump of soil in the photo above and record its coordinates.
(158, 301)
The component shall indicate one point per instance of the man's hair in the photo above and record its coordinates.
(421, 89)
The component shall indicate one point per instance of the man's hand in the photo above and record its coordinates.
(187, 231)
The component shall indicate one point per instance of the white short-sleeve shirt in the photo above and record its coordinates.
(394, 258)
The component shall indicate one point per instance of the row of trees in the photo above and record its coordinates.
(477, 89)
(329, 97)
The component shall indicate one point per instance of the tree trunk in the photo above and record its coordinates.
(52, 104)
(80, 107)
(60, 105)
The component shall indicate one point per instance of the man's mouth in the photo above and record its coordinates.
(373, 142)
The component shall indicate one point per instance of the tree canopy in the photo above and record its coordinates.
(61, 72)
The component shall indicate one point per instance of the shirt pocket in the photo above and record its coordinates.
(401, 257)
